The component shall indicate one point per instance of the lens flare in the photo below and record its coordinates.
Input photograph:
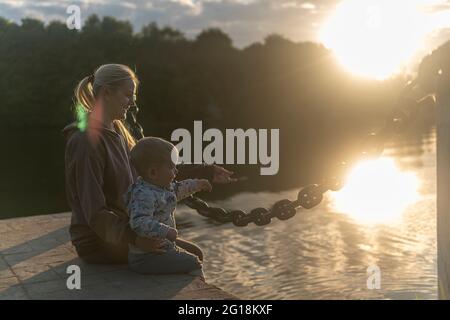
(377, 192)
(82, 119)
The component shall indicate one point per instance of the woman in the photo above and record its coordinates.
(98, 171)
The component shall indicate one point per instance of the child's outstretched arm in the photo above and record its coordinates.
(185, 188)
(141, 208)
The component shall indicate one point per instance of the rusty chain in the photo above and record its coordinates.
(310, 196)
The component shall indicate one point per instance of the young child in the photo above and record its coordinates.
(151, 202)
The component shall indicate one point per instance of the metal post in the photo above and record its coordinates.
(443, 185)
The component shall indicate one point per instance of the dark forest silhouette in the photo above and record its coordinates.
(320, 109)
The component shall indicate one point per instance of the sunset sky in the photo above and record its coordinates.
(246, 21)
(374, 38)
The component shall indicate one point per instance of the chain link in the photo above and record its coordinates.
(310, 196)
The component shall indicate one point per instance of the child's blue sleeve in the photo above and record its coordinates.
(185, 188)
(141, 208)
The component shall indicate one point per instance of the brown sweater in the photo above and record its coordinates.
(98, 174)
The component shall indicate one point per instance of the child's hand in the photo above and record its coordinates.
(172, 234)
(153, 245)
(205, 185)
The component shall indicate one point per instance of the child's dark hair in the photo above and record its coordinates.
(151, 151)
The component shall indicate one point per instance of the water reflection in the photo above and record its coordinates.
(377, 191)
(322, 253)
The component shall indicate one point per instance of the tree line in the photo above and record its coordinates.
(297, 87)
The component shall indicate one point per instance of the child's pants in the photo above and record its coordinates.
(174, 260)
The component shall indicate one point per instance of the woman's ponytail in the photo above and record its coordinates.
(87, 89)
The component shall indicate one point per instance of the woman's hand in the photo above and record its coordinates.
(153, 245)
(222, 175)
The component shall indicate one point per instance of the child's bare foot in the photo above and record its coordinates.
(199, 273)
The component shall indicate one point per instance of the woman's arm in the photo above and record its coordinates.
(211, 172)
(192, 171)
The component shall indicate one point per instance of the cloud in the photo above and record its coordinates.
(295, 4)
(246, 21)
(13, 3)
(308, 6)
(437, 5)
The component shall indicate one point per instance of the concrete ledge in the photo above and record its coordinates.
(34, 255)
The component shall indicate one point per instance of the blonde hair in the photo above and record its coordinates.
(88, 88)
(151, 151)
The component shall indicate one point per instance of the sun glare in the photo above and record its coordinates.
(377, 38)
(376, 192)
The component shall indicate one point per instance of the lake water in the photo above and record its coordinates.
(323, 253)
